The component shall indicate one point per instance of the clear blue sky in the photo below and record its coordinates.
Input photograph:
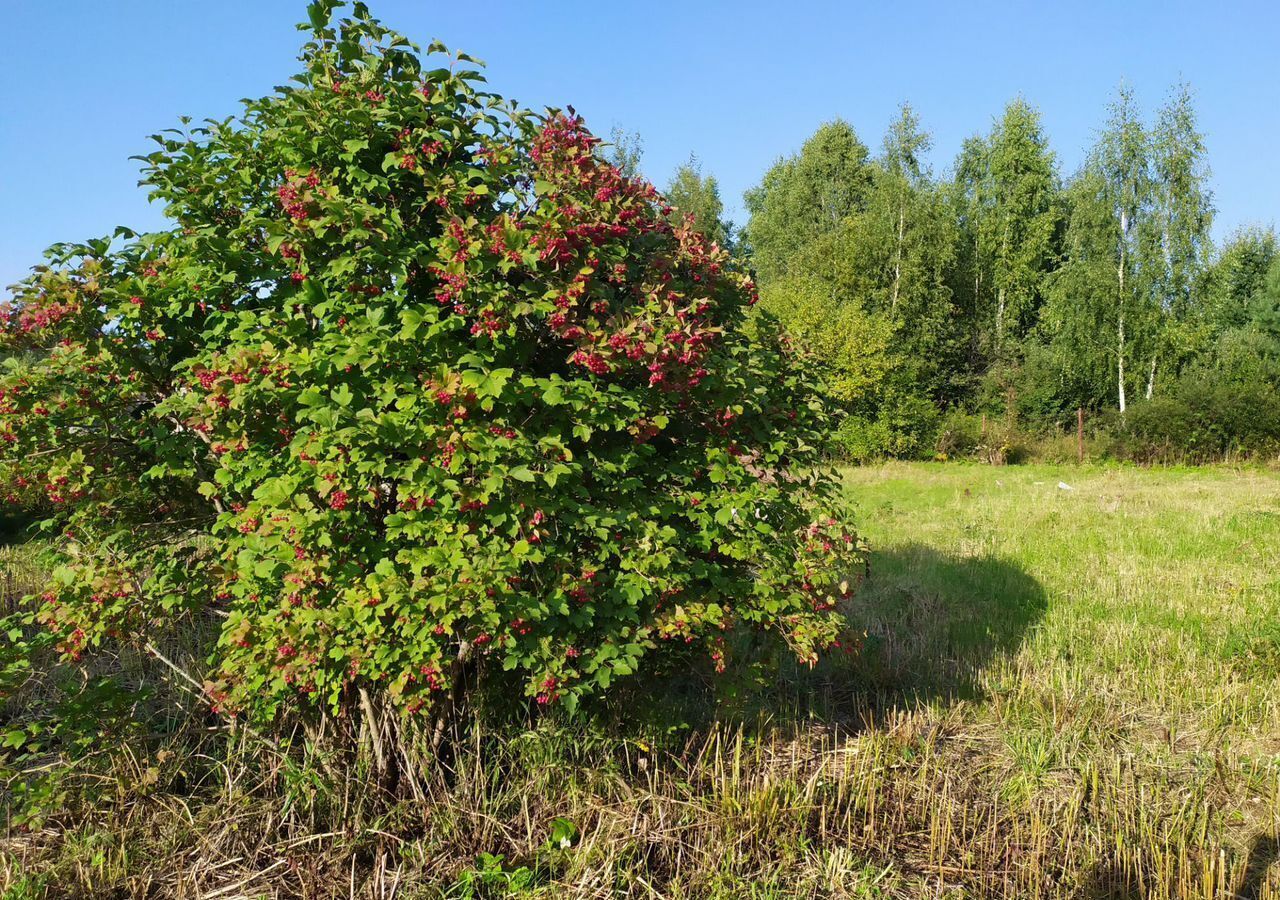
(738, 83)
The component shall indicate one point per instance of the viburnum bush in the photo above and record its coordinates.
(416, 383)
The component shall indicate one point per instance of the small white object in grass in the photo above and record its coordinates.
(1063, 486)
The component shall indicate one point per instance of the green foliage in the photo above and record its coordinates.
(805, 197)
(904, 426)
(1009, 182)
(697, 195)
(625, 150)
(960, 434)
(1206, 418)
(855, 347)
(863, 288)
(1002, 292)
(417, 383)
(1238, 275)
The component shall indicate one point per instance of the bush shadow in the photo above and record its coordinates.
(928, 625)
(1110, 881)
(1263, 856)
(933, 622)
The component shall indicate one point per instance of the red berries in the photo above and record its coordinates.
(338, 500)
(593, 362)
(291, 197)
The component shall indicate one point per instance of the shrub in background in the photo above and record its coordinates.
(1205, 418)
(960, 434)
(905, 426)
(416, 384)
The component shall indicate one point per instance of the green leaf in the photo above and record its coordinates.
(564, 834)
(315, 292)
(275, 492)
(318, 14)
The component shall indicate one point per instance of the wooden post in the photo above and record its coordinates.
(1080, 433)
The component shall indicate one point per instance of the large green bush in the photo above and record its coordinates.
(415, 384)
(1204, 418)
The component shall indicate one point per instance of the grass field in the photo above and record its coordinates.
(1061, 693)
(1120, 646)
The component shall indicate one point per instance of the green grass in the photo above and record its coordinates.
(1125, 638)
(1154, 592)
(1060, 693)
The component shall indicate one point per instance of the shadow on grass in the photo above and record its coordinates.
(1262, 856)
(17, 527)
(932, 624)
(1109, 881)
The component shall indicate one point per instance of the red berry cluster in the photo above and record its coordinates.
(295, 195)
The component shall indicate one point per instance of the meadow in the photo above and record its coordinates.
(1069, 686)
(435, 508)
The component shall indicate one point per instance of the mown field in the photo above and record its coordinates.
(1062, 692)
(1119, 643)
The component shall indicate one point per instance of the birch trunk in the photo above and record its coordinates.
(1000, 318)
(1000, 295)
(897, 264)
(1124, 231)
(1120, 364)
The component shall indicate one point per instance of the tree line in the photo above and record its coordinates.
(1004, 291)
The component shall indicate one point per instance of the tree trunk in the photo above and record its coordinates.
(1120, 362)
(1151, 379)
(1000, 294)
(1000, 317)
(897, 264)
(446, 712)
(1124, 230)
(379, 726)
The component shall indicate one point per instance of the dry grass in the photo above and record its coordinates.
(1063, 693)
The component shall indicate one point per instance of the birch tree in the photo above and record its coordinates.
(1123, 158)
(804, 197)
(1022, 214)
(1183, 218)
(904, 147)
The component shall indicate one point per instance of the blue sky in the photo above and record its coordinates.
(737, 83)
